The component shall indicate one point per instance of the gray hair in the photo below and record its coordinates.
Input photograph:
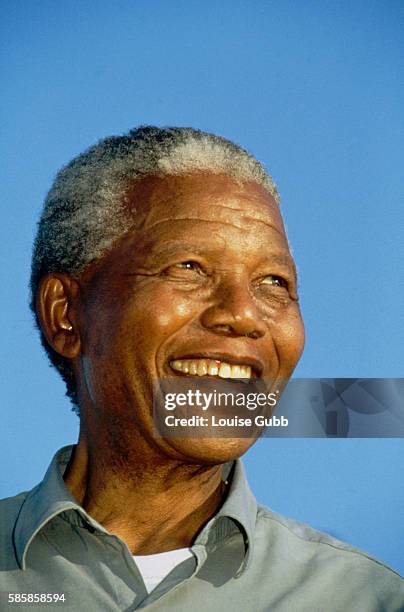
(84, 213)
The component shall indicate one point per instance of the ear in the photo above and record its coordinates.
(57, 311)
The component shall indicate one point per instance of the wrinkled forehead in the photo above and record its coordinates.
(202, 213)
(201, 197)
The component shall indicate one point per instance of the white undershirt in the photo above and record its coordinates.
(156, 567)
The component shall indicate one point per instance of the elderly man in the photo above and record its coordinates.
(162, 254)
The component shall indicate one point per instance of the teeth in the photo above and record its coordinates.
(236, 371)
(193, 368)
(185, 366)
(245, 372)
(202, 368)
(211, 367)
(225, 370)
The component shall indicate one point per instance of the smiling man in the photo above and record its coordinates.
(161, 255)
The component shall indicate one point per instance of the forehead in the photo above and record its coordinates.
(205, 214)
(204, 198)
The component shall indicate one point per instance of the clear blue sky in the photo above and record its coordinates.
(315, 89)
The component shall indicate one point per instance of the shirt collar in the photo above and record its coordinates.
(43, 503)
(51, 497)
(241, 507)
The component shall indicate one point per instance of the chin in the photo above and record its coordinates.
(210, 451)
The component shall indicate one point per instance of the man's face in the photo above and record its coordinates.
(205, 276)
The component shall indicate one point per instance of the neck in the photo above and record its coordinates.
(151, 502)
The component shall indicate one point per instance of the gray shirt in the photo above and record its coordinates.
(246, 558)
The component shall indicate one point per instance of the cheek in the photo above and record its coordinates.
(165, 318)
(288, 335)
(157, 317)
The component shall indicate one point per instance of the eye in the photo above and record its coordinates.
(275, 281)
(185, 269)
(189, 265)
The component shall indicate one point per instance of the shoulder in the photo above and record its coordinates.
(306, 541)
(327, 564)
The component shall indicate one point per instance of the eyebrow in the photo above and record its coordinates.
(172, 247)
(284, 260)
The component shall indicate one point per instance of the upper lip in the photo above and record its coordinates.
(256, 365)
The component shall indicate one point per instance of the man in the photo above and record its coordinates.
(162, 254)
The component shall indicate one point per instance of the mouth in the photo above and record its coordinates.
(224, 367)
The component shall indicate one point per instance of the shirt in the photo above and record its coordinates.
(248, 559)
(154, 568)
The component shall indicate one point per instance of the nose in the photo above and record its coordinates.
(234, 311)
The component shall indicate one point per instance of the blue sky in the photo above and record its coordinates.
(315, 90)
